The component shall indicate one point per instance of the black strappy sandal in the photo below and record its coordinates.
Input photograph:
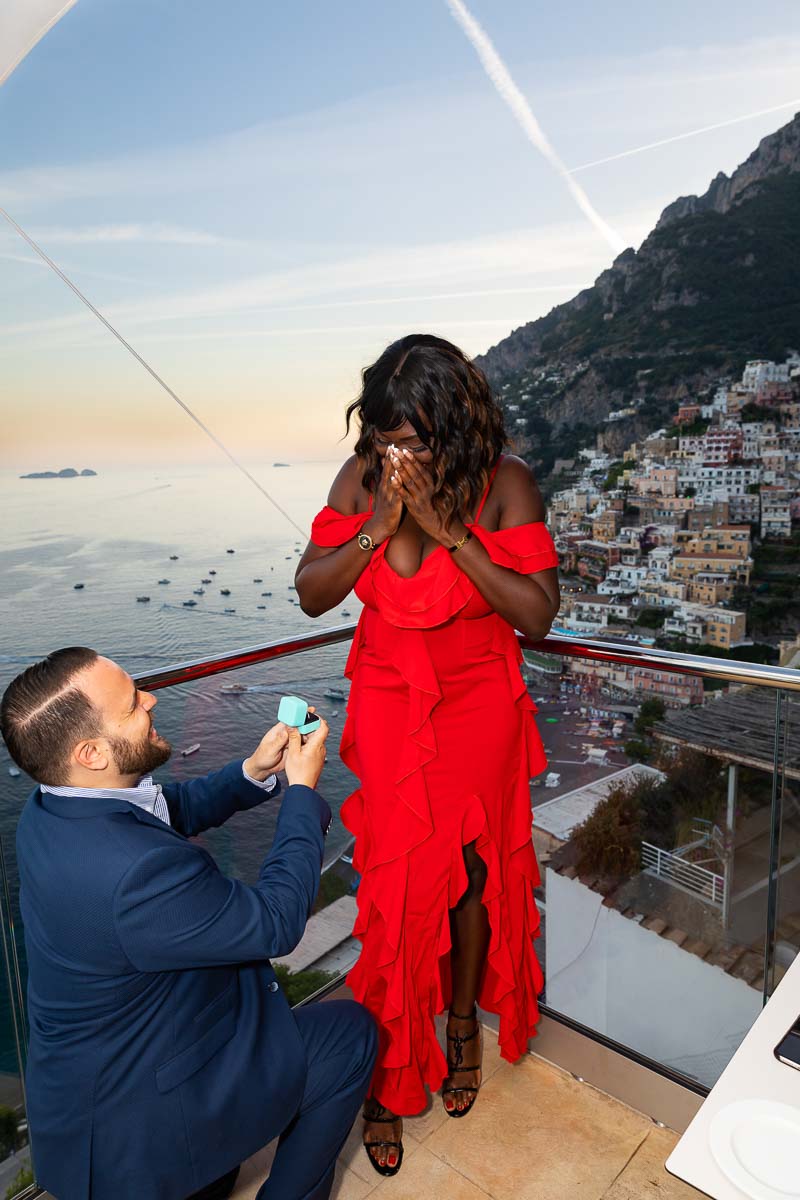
(455, 1068)
(379, 1119)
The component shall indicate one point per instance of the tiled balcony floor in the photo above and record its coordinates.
(535, 1134)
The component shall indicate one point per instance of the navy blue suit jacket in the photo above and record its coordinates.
(162, 1050)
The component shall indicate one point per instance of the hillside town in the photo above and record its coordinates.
(661, 545)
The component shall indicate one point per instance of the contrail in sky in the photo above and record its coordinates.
(762, 112)
(499, 75)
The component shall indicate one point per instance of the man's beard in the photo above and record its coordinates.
(139, 758)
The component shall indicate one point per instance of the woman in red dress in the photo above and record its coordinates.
(442, 537)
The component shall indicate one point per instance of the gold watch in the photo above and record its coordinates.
(365, 541)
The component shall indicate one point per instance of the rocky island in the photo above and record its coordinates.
(64, 473)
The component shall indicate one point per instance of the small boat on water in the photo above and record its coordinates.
(142, 599)
(212, 572)
(78, 587)
(261, 606)
(190, 750)
(288, 558)
(164, 581)
(205, 581)
(233, 689)
(224, 591)
(173, 558)
(266, 593)
(230, 551)
(345, 612)
(14, 772)
(292, 588)
(199, 591)
(258, 580)
(190, 604)
(230, 610)
(335, 694)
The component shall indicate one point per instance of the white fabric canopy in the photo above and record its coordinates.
(22, 24)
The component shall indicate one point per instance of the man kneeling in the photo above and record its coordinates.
(162, 1050)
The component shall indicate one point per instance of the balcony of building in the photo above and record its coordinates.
(668, 837)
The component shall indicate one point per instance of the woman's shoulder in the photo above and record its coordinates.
(347, 494)
(516, 492)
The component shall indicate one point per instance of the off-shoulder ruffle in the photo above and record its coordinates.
(332, 528)
(522, 548)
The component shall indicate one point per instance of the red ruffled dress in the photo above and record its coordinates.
(440, 731)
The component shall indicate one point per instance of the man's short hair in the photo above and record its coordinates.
(43, 715)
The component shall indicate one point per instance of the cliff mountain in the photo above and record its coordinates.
(715, 283)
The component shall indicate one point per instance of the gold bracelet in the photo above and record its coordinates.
(461, 542)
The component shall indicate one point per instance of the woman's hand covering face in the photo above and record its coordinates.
(388, 506)
(413, 484)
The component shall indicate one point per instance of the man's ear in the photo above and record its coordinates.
(91, 755)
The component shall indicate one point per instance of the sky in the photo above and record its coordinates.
(262, 196)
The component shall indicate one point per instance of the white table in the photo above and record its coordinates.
(753, 1074)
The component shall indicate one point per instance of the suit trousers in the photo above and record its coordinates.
(341, 1043)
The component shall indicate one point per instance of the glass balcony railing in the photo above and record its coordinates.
(667, 828)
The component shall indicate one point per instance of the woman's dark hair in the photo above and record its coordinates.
(43, 714)
(431, 383)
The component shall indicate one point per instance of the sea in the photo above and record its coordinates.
(118, 533)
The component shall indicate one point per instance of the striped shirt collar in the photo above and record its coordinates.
(146, 795)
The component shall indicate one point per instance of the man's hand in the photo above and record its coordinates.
(269, 755)
(306, 758)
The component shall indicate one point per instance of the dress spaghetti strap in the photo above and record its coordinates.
(488, 489)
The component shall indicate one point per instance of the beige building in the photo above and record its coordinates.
(606, 526)
(710, 589)
(685, 567)
(723, 627)
(719, 539)
(657, 481)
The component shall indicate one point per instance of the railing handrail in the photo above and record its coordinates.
(622, 653)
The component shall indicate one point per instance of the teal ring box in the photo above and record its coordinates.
(294, 711)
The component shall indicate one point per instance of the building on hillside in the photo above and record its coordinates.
(760, 371)
(685, 567)
(605, 525)
(720, 539)
(723, 627)
(745, 510)
(594, 559)
(657, 592)
(655, 481)
(722, 445)
(687, 413)
(592, 613)
(623, 579)
(653, 510)
(710, 589)
(717, 482)
(712, 513)
(638, 683)
(776, 512)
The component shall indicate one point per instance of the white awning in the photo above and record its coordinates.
(22, 24)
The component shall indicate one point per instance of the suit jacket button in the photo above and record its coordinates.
(273, 987)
